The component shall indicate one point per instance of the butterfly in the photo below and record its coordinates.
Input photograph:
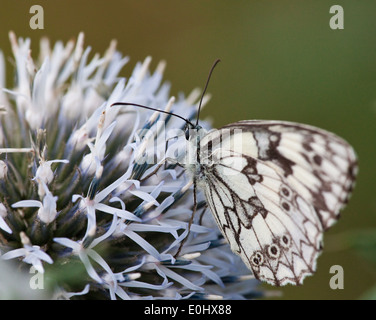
(273, 188)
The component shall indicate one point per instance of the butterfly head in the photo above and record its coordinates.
(191, 130)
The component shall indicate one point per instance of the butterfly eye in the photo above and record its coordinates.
(187, 134)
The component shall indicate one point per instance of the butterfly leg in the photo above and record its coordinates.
(202, 213)
(163, 162)
(190, 220)
(166, 148)
(154, 171)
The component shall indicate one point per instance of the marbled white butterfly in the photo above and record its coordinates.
(273, 188)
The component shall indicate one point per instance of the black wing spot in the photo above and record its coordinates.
(273, 251)
(286, 206)
(257, 207)
(286, 192)
(285, 241)
(317, 159)
(257, 259)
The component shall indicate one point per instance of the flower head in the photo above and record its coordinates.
(95, 190)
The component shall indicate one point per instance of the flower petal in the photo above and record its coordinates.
(121, 213)
(27, 204)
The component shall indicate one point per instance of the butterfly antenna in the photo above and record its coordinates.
(150, 108)
(206, 86)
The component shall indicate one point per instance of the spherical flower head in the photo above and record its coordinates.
(96, 189)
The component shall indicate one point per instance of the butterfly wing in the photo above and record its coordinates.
(274, 187)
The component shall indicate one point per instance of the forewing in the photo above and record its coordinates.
(317, 163)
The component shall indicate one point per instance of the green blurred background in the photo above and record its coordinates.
(280, 60)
